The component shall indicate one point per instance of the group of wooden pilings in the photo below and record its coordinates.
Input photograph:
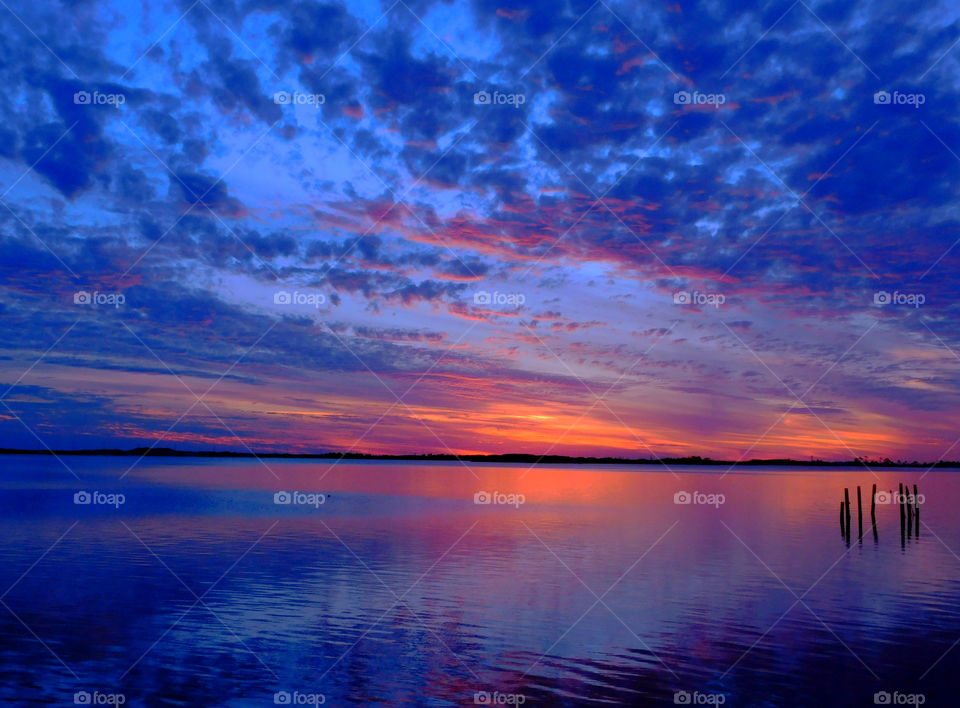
(909, 513)
(845, 524)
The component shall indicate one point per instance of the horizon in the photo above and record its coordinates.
(691, 460)
(583, 232)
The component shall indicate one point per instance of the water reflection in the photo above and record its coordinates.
(199, 590)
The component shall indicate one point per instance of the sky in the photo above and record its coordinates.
(637, 229)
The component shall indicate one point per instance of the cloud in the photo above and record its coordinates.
(598, 198)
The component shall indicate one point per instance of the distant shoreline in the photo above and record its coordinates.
(503, 458)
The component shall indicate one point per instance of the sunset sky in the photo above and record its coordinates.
(618, 228)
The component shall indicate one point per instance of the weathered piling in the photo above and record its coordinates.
(846, 503)
(843, 530)
(859, 514)
(908, 505)
(903, 519)
(912, 499)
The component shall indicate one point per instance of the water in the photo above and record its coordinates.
(199, 590)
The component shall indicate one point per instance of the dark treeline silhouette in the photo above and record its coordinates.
(510, 457)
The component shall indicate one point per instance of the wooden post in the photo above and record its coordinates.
(907, 505)
(903, 527)
(910, 503)
(843, 531)
(859, 514)
(846, 504)
(873, 511)
(846, 499)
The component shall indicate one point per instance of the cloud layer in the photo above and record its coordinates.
(534, 227)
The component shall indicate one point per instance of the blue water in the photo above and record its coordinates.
(398, 589)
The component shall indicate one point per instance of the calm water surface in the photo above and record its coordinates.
(399, 589)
